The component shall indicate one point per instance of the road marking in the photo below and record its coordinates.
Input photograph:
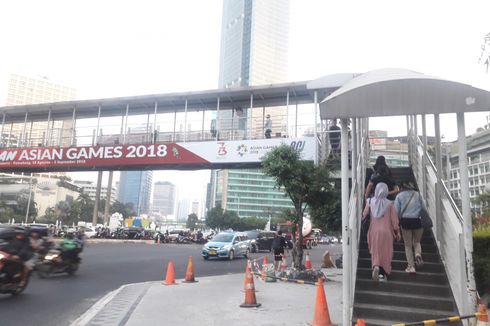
(85, 318)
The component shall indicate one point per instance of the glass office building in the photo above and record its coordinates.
(254, 51)
(135, 188)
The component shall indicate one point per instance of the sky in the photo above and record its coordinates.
(107, 48)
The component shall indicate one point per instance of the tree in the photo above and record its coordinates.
(303, 183)
(218, 218)
(22, 203)
(192, 220)
(214, 217)
(127, 210)
(62, 212)
(324, 201)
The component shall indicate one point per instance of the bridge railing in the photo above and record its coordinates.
(448, 224)
(84, 132)
(356, 201)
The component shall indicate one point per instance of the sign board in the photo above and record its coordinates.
(206, 155)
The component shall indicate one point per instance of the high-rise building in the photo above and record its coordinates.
(164, 198)
(254, 51)
(135, 188)
(90, 188)
(29, 90)
(478, 151)
(195, 208)
(183, 210)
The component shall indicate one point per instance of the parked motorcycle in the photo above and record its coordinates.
(11, 284)
(54, 262)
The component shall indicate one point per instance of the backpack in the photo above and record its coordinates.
(276, 243)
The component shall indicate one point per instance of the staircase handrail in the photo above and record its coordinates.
(354, 212)
(448, 228)
(443, 185)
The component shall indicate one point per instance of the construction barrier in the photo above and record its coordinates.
(285, 279)
(442, 320)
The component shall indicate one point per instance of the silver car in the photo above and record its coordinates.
(227, 245)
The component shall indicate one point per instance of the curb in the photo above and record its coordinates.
(87, 316)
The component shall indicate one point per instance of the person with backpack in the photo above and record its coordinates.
(278, 245)
(408, 205)
(383, 175)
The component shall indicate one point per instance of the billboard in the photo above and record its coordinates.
(191, 155)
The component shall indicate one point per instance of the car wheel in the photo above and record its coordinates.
(231, 255)
(205, 257)
(255, 249)
(247, 253)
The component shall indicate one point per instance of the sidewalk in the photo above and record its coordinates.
(214, 300)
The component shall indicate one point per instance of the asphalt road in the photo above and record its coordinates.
(61, 299)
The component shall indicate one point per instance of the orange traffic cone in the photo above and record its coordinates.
(307, 261)
(250, 300)
(361, 322)
(264, 264)
(158, 240)
(189, 274)
(170, 279)
(321, 317)
(247, 271)
(482, 316)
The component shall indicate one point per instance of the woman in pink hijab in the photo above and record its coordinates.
(383, 229)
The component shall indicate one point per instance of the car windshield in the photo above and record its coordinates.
(252, 234)
(223, 237)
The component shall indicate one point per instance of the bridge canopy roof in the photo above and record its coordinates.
(391, 92)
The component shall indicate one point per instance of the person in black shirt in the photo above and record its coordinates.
(334, 136)
(278, 245)
(383, 175)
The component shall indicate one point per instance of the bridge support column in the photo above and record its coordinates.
(108, 199)
(424, 159)
(97, 199)
(466, 211)
(346, 242)
(439, 184)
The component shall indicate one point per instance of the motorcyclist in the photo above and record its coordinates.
(20, 249)
(70, 247)
(81, 238)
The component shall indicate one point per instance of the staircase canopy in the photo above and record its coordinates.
(390, 92)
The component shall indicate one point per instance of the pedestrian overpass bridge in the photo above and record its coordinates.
(186, 123)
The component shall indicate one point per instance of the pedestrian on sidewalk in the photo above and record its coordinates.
(408, 205)
(383, 229)
(278, 245)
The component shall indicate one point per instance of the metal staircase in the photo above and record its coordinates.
(405, 297)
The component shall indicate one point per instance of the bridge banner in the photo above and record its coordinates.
(191, 155)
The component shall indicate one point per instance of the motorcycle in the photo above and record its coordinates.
(54, 263)
(10, 284)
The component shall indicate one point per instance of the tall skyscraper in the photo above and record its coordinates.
(195, 207)
(135, 187)
(183, 210)
(164, 198)
(29, 90)
(254, 51)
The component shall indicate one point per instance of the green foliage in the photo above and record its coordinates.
(192, 220)
(325, 201)
(217, 218)
(306, 185)
(23, 201)
(127, 210)
(481, 258)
